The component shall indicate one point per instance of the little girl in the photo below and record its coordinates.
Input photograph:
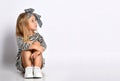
(30, 44)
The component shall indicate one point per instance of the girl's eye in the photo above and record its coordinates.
(32, 20)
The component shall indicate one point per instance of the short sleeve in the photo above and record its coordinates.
(42, 41)
(21, 44)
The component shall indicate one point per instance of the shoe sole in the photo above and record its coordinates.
(37, 76)
(29, 77)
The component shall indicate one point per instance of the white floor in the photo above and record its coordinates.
(90, 66)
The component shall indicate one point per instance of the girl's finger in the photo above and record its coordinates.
(32, 56)
(35, 55)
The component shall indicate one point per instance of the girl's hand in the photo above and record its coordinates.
(35, 54)
(36, 45)
(41, 48)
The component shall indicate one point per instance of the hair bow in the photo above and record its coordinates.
(30, 13)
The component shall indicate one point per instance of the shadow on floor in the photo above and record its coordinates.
(9, 52)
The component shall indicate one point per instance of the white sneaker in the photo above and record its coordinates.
(28, 72)
(37, 73)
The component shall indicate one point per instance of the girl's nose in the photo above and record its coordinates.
(35, 22)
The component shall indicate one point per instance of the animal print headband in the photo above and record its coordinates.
(30, 13)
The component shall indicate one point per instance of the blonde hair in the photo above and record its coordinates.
(22, 26)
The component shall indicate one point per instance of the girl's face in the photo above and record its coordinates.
(32, 23)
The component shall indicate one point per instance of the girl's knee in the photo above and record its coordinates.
(26, 53)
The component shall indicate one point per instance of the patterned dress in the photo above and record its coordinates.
(25, 46)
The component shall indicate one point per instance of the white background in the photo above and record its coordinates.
(82, 36)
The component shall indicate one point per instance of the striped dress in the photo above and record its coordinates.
(25, 46)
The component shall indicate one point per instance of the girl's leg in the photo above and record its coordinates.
(38, 61)
(37, 65)
(26, 60)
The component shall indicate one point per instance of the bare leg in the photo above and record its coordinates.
(38, 61)
(37, 64)
(26, 61)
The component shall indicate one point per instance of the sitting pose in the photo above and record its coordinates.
(31, 44)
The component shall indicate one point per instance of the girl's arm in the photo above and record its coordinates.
(39, 42)
(37, 49)
(37, 46)
(42, 41)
